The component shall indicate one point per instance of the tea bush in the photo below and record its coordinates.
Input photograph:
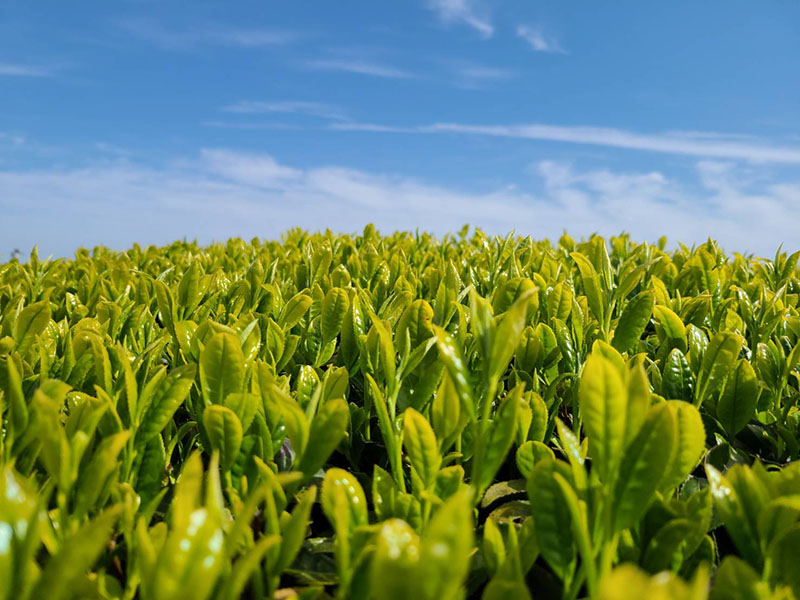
(400, 417)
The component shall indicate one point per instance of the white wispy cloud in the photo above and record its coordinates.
(620, 138)
(476, 76)
(251, 37)
(743, 215)
(259, 170)
(538, 40)
(221, 193)
(374, 128)
(359, 67)
(252, 125)
(11, 138)
(314, 109)
(206, 34)
(465, 12)
(720, 146)
(711, 135)
(24, 70)
(113, 149)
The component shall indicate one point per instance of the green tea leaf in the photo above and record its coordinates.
(31, 322)
(500, 440)
(395, 563)
(221, 368)
(294, 419)
(493, 547)
(737, 402)
(166, 305)
(451, 355)
(421, 445)
(508, 333)
(663, 546)
(736, 580)
(446, 410)
(328, 428)
(689, 445)
(14, 398)
(386, 350)
(643, 465)
(638, 402)
(592, 285)
(294, 310)
(416, 323)
(673, 326)
(733, 513)
(559, 301)
(513, 289)
(552, 517)
(529, 455)
(293, 530)
(446, 548)
(224, 432)
(167, 398)
(603, 398)
(247, 565)
(579, 527)
(77, 555)
(633, 321)
(343, 500)
(334, 310)
(96, 476)
(628, 582)
(785, 560)
(677, 381)
(189, 292)
(718, 360)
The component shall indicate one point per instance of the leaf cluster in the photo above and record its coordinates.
(400, 416)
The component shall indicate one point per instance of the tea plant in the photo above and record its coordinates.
(400, 417)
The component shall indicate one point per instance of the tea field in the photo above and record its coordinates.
(401, 416)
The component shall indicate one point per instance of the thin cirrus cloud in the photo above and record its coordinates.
(10, 138)
(358, 67)
(206, 35)
(221, 193)
(252, 125)
(313, 109)
(464, 12)
(538, 40)
(709, 145)
(23, 70)
(477, 76)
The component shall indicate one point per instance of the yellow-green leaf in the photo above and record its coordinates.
(334, 309)
(421, 445)
(603, 400)
(633, 321)
(737, 402)
(643, 466)
(224, 432)
(221, 368)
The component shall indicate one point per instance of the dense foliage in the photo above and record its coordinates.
(400, 417)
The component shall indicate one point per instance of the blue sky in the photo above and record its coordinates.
(150, 121)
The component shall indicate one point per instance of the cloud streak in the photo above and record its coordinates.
(23, 70)
(10, 138)
(313, 109)
(206, 35)
(707, 146)
(463, 12)
(538, 40)
(477, 76)
(358, 67)
(221, 193)
(252, 125)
